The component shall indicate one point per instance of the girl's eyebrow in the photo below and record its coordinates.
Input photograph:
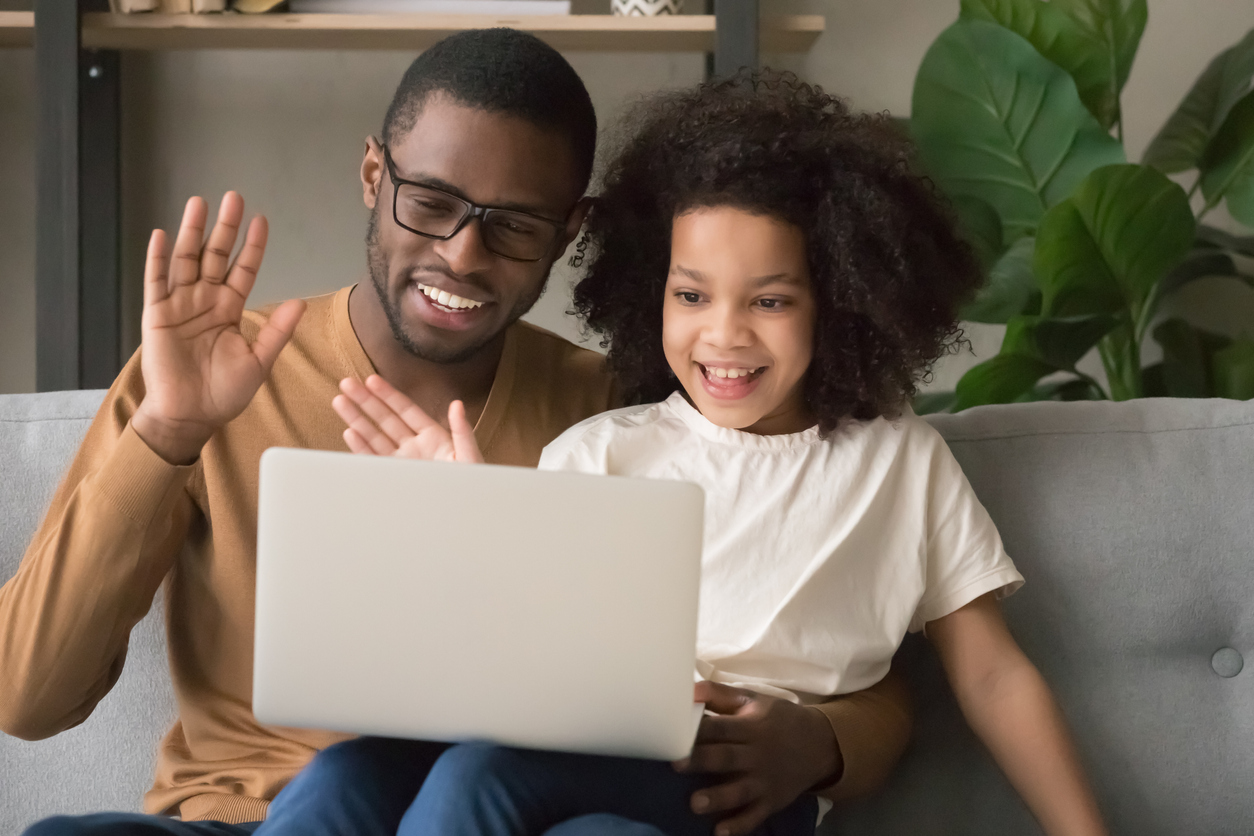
(759, 281)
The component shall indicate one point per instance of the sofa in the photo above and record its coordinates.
(1133, 524)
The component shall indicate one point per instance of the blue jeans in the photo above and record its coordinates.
(484, 790)
(134, 824)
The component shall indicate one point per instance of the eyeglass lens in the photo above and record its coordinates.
(505, 233)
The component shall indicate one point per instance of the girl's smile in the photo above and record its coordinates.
(738, 318)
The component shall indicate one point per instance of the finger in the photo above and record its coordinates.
(720, 698)
(732, 795)
(718, 757)
(356, 443)
(185, 266)
(384, 417)
(276, 332)
(720, 729)
(243, 273)
(216, 254)
(745, 821)
(156, 269)
(465, 447)
(366, 431)
(414, 416)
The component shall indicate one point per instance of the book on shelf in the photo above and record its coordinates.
(506, 8)
(169, 7)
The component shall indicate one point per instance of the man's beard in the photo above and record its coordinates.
(378, 265)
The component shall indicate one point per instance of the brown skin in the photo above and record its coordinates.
(200, 372)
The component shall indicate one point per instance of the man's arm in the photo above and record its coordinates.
(114, 526)
(871, 728)
(119, 517)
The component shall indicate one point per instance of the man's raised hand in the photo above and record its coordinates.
(383, 421)
(199, 369)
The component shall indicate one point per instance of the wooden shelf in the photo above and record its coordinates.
(667, 33)
(17, 29)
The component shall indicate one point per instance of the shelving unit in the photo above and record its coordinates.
(77, 64)
(601, 33)
(17, 29)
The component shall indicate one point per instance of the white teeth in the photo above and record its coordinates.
(448, 300)
(730, 373)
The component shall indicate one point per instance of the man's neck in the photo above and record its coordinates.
(433, 386)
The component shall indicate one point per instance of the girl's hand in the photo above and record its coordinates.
(770, 750)
(382, 421)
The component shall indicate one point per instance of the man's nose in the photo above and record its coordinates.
(465, 253)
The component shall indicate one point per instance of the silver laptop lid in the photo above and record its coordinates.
(452, 602)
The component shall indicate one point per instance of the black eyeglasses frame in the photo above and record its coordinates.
(472, 210)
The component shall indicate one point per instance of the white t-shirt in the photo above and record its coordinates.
(820, 553)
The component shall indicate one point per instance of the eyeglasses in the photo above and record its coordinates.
(432, 213)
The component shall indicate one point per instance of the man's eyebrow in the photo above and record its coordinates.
(445, 186)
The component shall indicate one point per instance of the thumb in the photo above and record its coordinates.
(465, 448)
(277, 331)
(721, 699)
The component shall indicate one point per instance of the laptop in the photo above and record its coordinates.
(450, 602)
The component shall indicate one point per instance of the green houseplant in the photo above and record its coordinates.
(1016, 112)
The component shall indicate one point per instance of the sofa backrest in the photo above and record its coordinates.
(107, 762)
(1133, 524)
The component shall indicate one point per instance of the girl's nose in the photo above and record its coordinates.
(727, 327)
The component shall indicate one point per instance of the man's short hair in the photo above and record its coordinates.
(501, 71)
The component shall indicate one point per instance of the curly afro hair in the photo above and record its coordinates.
(888, 269)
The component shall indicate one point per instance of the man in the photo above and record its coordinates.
(475, 188)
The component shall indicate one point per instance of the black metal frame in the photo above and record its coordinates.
(78, 310)
(77, 233)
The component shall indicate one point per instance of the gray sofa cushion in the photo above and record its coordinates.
(107, 762)
(1131, 522)
(1134, 527)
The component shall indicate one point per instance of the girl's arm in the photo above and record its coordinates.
(382, 421)
(1008, 705)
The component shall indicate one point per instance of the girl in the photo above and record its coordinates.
(771, 281)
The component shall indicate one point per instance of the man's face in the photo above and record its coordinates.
(491, 160)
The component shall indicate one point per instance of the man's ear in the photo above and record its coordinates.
(574, 222)
(372, 167)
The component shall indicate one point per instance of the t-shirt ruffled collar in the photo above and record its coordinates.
(679, 406)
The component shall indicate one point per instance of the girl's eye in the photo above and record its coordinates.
(689, 297)
(771, 304)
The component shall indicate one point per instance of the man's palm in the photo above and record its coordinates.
(199, 369)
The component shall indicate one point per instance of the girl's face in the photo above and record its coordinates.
(738, 318)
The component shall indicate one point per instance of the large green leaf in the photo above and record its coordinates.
(1233, 370)
(1002, 379)
(1187, 357)
(1201, 263)
(1010, 289)
(1104, 248)
(996, 121)
(1034, 347)
(1182, 140)
(1117, 23)
(981, 226)
(1228, 164)
(1059, 342)
(1214, 237)
(1060, 38)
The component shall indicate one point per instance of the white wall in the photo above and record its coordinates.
(286, 130)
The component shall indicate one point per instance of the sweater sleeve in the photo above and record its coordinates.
(872, 729)
(110, 535)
